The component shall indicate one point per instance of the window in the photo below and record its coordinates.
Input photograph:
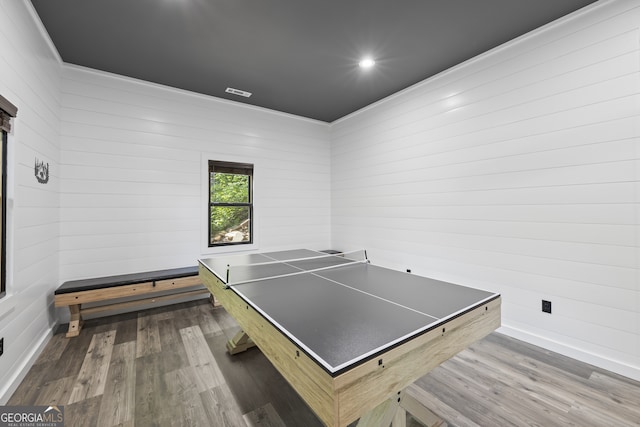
(230, 203)
(7, 111)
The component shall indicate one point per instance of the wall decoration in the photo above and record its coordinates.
(41, 171)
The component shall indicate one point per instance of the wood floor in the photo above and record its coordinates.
(169, 367)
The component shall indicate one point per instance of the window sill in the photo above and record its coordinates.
(230, 249)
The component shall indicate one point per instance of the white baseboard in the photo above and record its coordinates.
(611, 365)
(21, 371)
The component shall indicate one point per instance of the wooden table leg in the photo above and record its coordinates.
(239, 343)
(410, 402)
(393, 412)
(400, 418)
(380, 416)
(75, 321)
(214, 301)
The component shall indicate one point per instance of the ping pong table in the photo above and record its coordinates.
(348, 336)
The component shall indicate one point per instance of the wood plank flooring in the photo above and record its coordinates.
(169, 367)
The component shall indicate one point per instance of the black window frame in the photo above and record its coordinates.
(7, 112)
(217, 166)
(3, 242)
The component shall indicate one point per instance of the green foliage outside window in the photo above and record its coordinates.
(230, 207)
(229, 188)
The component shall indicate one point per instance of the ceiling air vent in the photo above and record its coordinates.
(238, 92)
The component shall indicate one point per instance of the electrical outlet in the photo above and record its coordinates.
(546, 306)
(1, 346)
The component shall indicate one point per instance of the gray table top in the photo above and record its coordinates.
(345, 314)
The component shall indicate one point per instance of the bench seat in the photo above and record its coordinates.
(172, 283)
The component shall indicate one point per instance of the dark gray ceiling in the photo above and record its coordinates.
(295, 56)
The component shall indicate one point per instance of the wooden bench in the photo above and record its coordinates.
(74, 293)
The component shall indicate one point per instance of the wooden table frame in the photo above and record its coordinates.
(373, 391)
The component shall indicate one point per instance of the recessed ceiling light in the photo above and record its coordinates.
(367, 63)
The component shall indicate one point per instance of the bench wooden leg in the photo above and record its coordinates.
(239, 343)
(75, 322)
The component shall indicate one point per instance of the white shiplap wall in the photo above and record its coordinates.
(30, 79)
(133, 189)
(516, 172)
